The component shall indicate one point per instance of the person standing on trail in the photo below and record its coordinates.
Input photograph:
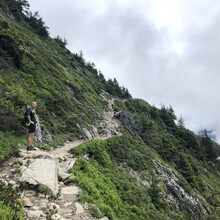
(31, 125)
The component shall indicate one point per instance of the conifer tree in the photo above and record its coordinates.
(207, 144)
(180, 122)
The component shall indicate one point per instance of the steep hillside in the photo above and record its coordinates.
(37, 67)
(154, 168)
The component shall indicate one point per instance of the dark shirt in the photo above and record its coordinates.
(31, 113)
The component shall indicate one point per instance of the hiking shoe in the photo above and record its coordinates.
(29, 148)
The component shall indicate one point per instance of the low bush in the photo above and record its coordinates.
(10, 204)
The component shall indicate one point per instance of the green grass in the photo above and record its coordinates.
(9, 144)
(66, 96)
(110, 189)
(10, 204)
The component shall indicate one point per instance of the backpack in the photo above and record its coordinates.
(25, 119)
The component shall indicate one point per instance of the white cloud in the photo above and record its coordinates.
(163, 51)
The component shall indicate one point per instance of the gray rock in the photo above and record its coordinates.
(35, 214)
(36, 154)
(79, 208)
(53, 206)
(62, 159)
(27, 202)
(128, 121)
(104, 218)
(86, 156)
(12, 182)
(42, 174)
(57, 217)
(35, 208)
(23, 168)
(87, 133)
(71, 164)
(43, 205)
(70, 190)
(13, 170)
(30, 193)
(196, 206)
(78, 126)
(63, 175)
(86, 206)
(94, 131)
(64, 211)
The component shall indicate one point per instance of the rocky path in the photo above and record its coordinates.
(48, 189)
(45, 197)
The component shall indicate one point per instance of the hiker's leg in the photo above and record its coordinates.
(31, 131)
(30, 139)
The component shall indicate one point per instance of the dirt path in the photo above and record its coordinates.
(38, 203)
(63, 150)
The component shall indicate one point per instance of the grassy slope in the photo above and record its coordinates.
(66, 92)
(108, 179)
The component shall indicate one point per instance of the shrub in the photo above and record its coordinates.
(10, 204)
(37, 24)
(9, 48)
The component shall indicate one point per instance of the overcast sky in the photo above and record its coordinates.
(163, 51)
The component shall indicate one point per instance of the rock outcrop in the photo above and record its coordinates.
(177, 196)
(107, 127)
(42, 175)
(128, 121)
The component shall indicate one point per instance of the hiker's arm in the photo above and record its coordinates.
(29, 119)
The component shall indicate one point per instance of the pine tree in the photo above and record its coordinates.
(180, 122)
(207, 143)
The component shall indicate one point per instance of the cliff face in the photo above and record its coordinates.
(152, 168)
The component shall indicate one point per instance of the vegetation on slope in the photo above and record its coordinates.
(10, 205)
(121, 179)
(36, 67)
(110, 188)
(124, 167)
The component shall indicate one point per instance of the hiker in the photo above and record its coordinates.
(31, 125)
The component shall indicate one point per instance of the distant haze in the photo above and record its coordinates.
(164, 51)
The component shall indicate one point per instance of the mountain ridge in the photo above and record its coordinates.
(154, 169)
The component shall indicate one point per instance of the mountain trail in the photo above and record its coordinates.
(48, 190)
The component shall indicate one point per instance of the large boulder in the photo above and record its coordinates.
(42, 175)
